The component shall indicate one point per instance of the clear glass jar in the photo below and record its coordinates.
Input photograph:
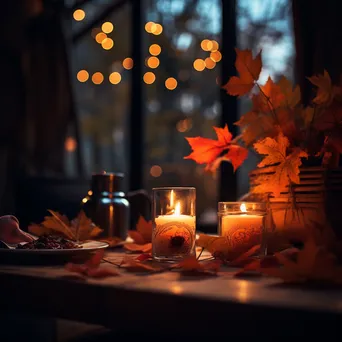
(243, 224)
(174, 223)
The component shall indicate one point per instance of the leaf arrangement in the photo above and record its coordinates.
(81, 228)
(278, 126)
(142, 237)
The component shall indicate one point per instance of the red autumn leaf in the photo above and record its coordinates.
(192, 266)
(91, 268)
(133, 247)
(144, 256)
(249, 69)
(325, 91)
(143, 232)
(208, 151)
(134, 265)
(245, 257)
(270, 98)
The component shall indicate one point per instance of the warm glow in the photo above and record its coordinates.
(153, 62)
(85, 200)
(176, 289)
(148, 26)
(70, 144)
(171, 83)
(216, 56)
(97, 78)
(172, 199)
(83, 75)
(90, 192)
(215, 45)
(79, 15)
(206, 45)
(156, 171)
(184, 125)
(243, 208)
(107, 27)
(156, 29)
(114, 78)
(127, 63)
(149, 77)
(100, 37)
(209, 63)
(243, 291)
(107, 43)
(154, 49)
(199, 64)
(177, 208)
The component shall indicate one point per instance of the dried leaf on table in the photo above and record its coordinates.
(112, 241)
(79, 229)
(144, 256)
(134, 265)
(191, 266)
(249, 69)
(208, 151)
(92, 268)
(286, 165)
(143, 232)
(133, 247)
(245, 257)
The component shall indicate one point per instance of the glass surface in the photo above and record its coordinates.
(243, 224)
(174, 223)
(100, 67)
(181, 93)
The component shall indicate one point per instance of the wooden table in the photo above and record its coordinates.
(169, 302)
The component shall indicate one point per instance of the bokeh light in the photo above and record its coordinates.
(127, 63)
(206, 45)
(209, 63)
(149, 77)
(155, 49)
(171, 83)
(70, 144)
(156, 29)
(79, 15)
(156, 171)
(216, 56)
(97, 78)
(107, 27)
(148, 26)
(184, 125)
(115, 77)
(107, 43)
(199, 64)
(100, 37)
(215, 45)
(83, 76)
(153, 62)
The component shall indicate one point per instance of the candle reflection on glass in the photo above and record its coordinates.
(174, 223)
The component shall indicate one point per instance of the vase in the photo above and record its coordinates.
(316, 199)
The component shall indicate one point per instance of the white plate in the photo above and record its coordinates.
(87, 247)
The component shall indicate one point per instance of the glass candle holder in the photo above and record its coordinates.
(243, 224)
(174, 223)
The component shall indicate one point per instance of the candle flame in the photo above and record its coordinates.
(243, 208)
(172, 199)
(177, 208)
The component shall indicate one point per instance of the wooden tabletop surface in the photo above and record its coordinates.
(162, 298)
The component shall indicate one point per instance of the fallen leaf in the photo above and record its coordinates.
(249, 69)
(143, 232)
(245, 257)
(191, 266)
(112, 241)
(133, 247)
(91, 268)
(286, 165)
(209, 151)
(144, 256)
(134, 265)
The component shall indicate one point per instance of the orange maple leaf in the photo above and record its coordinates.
(270, 97)
(249, 69)
(134, 265)
(325, 91)
(143, 232)
(208, 151)
(286, 165)
(191, 266)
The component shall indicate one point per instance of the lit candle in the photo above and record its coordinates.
(174, 234)
(243, 229)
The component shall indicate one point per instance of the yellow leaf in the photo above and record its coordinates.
(249, 69)
(286, 166)
(83, 227)
(325, 89)
(58, 223)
